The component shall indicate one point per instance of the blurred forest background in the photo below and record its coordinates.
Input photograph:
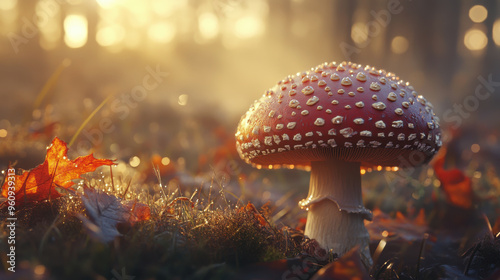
(60, 59)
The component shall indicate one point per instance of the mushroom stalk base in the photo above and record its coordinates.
(336, 213)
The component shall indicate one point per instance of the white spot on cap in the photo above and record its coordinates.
(319, 122)
(313, 100)
(406, 104)
(347, 132)
(292, 92)
(379, 124)
(366, 133)
(375, 144)
(361, 77)
(293, 103)
(276, 139)
(279, 126)
(412, 136)
(291, 125)
(375, 86)
(392, 96)
(351, 94)
(335, 102)
(374, 97)
(335, 77)
(401, 137)
(337, 120)
(381, 134)
(268, 140)
(285, 137)
(360, 89)
(398, 111)
(297, 137)
(411, 125)
(360, 104)
(267, 128)
(379, 106)
(255, 130)
(304, 113)
(359, 121)
(308, 90)
(331, 142)
(321, 83)
(347, 107)
(309, 134)
(346, 81)
(332, 131)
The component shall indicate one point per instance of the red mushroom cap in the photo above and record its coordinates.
(339, 111)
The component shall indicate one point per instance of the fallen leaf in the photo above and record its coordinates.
(402, 227)
(105, 212)
(250, 209)
(349, 266)
(57, 170)
(138, 211)
(456, 185)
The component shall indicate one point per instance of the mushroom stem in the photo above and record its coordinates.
(336, 212)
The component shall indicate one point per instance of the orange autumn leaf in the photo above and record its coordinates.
(384, 225)
(57, 170)
(349, 266)
(251, 209)
(138, 211)
(456, 185)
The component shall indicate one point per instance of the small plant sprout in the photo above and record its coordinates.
(335, 120)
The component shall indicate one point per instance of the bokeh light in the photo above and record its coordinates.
(208, 24)
(75, 31)
(359, 32)
(478, 13)
(496, 32)
(475, 39)
(162, 32)
(399, 45)
(248, 27)
(134, 161)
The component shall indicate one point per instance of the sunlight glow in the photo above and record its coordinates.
(7, 5)
(475, 39)
(3, 133)
(110, 35)
(208, 24)
(106, 4)
(162, 32)
(478, 13)
(248, 27)
(75, 29)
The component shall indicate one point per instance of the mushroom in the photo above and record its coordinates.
(334, 120)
